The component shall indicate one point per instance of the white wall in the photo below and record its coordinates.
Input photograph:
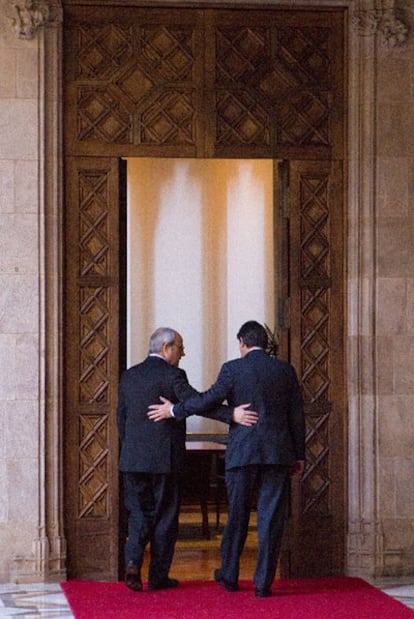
(200, 258)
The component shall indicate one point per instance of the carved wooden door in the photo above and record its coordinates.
(92, 350)
(312, 337)
(194, 82)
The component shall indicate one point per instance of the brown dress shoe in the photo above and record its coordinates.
(133, 578)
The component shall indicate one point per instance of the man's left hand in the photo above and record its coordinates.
(245, 417)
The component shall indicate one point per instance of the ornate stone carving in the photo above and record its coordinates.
(394, 31)
(384, 21)
(366, 22)
(30, 15)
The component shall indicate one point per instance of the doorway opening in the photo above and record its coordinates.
(200, 258)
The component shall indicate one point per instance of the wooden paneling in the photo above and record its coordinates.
(314, 341)
(204, 83)
(91, 366)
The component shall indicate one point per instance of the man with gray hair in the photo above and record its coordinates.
(152, 456)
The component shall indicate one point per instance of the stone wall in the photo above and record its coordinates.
(20, 349)
(395, 300)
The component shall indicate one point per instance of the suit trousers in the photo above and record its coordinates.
(153, 501)
(272, 483)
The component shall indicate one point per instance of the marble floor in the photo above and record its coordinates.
(33, 601)
(47, 600)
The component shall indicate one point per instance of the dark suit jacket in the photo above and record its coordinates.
(148, 446)
(272, 388)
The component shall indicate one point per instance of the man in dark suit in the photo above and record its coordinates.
(152, 457)
(262, 456)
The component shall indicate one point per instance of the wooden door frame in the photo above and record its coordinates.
(98, 129)
(363, 535)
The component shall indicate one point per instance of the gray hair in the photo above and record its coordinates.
(161, 336)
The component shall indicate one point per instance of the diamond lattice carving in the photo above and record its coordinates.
(135, 83)
(262, 86)
(169, 120)
(102, 50)
(94, 247)
(136, 76)
(296, 84)
(303, 61)
(316, 481)
(94, 346)
(314, 226)
(241, 120)
(301, 113)
(304, 53)
(93, 466)
(240, 52)
(168, 52)
(304, 119)
(101, 116)
(315, 303)
(315, 348)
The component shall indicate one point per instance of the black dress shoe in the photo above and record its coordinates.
(133, 578)
(168, 583)
(263, 593)
(229, 586)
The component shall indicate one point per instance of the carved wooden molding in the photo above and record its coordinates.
(30, 15)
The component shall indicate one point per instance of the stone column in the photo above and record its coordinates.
(42, 21)
(370, 25)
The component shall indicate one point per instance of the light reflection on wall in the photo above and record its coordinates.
(200, 258)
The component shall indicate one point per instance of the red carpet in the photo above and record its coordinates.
(308, 598)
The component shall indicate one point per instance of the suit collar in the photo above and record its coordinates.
(157, 359)
(255, 351)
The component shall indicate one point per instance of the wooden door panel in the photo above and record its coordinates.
(277, 83)
(204, 83)
(314, 342)
(133, 80)
(91, 366)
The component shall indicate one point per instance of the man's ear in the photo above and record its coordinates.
(166, 351)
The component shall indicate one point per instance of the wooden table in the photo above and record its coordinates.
(202, 474)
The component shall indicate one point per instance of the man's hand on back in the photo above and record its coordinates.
(244, 417)
(158, 412)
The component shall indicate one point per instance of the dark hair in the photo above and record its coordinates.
(253, 334)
